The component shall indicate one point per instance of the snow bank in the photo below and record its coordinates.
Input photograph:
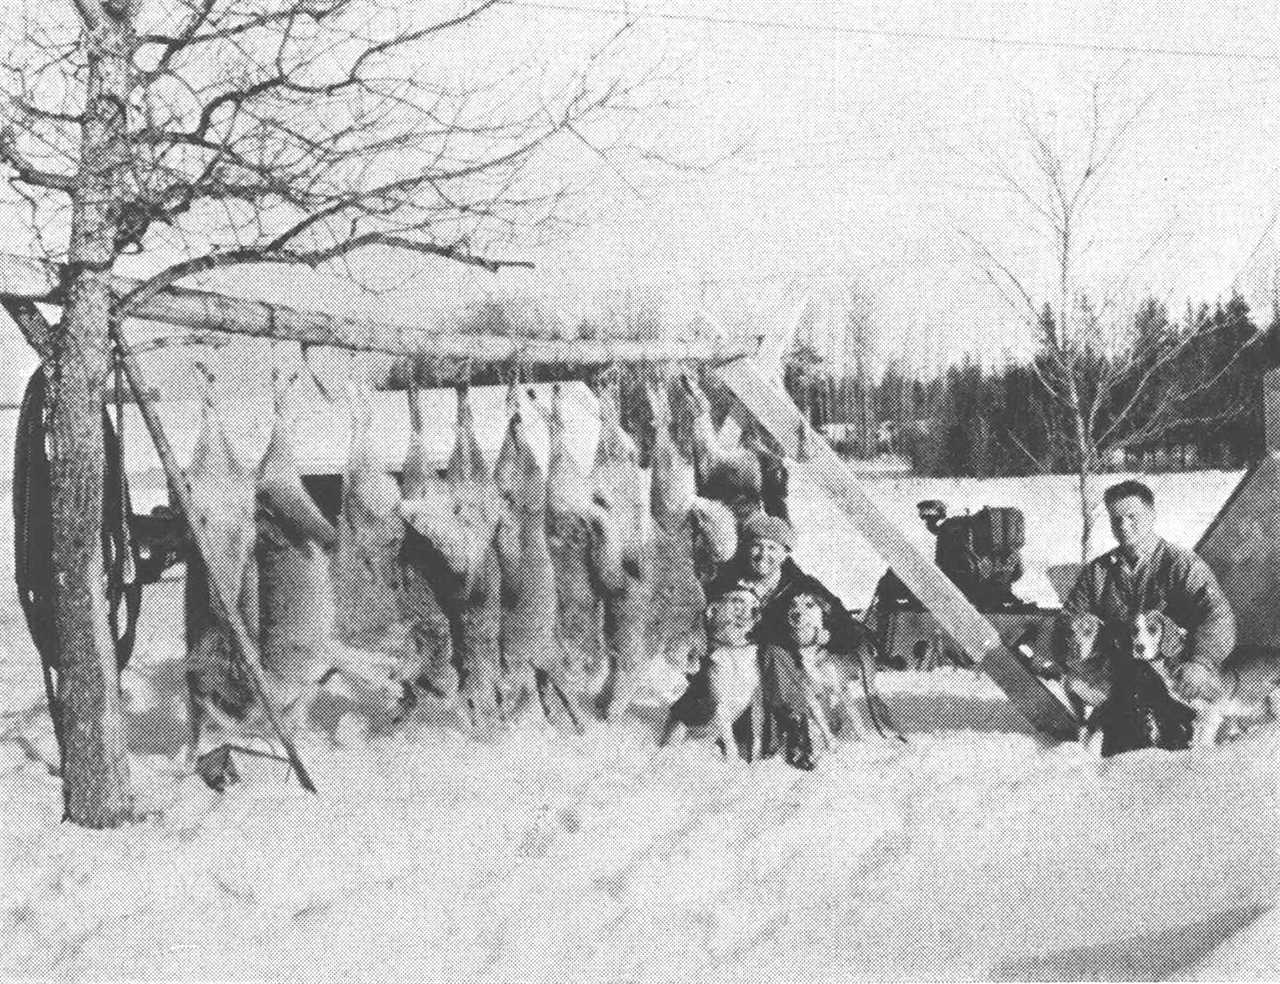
(973, 851)
(961, 854)
(1252, 954)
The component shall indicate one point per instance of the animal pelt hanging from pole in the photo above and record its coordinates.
(33, 533)
(725, 469)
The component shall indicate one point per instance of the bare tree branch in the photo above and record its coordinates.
(90, 12)
(1142, 386)
(173, 45)
(300, 131)
(1018, 443)
(27, 172)
(279, 254)
(1164, 419)
(1078, 367)
(39, 112)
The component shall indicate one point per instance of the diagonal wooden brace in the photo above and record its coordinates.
(977, 636)
(224, 605)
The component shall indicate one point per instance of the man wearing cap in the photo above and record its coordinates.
(764, 564)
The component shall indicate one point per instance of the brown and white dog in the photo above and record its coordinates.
(840, 696)
(728, 683)
(1247, 686)
(1082, 665)
(833, 701)
(1092, 662)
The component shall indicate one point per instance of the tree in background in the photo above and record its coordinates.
(1191, 385)
(962, 439)
(1025, 434)
(1228, 410)
(207, 134)
(1101, 370)
(1186, 388)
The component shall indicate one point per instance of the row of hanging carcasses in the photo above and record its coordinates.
(481, 583)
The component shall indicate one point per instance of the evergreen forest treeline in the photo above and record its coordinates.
(1171, 394)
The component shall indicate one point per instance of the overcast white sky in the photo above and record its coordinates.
(849, 117)
(852, 114)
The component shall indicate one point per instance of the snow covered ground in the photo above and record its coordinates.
(973, 851)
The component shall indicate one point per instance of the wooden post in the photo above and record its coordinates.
(977, 636)
(1271, 404)
(1240, 544)
(225, 607)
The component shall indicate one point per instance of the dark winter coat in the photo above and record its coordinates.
(1172, 580)
(783, 681)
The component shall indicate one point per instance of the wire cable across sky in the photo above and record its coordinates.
(902, 34)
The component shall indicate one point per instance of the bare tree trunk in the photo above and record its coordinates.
(1086, 466)
(1070, 349)
(96, 781)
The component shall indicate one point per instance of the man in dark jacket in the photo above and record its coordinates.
(1146, 573)
(764, 564)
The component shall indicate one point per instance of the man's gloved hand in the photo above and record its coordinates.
(1196, 681)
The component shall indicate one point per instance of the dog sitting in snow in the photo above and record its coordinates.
(1080, 666)
(791, 677)
(1116, 682)
(807, 689)
(844, 684)
(1085, 651)
(727, 684)
(1138, 710)
(1245, 689)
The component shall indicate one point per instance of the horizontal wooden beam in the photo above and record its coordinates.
(965, 624)
(26, 279)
